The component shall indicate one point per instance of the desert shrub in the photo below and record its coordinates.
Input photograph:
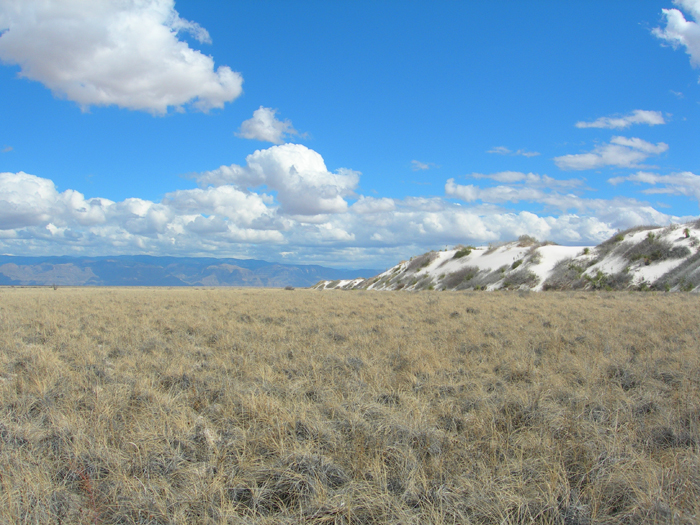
(420, 262)
(463, 252)
(619, 281)
(520, 278)
(526, 240)
(425, 283)
(516, 264)
(685, 276)
(654, 249)
(606, 246)
(460, 277)
(535, 257)
(493, 247)
(604, 281)
(485, 277)
(566, 275)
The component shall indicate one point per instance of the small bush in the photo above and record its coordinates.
(420, 262)
(605, 247)
(535, 257)
(653, 249)
(526, 240)
(461, 276)
(463, 252)
(685, 276)
(566, 275)
(521, 278)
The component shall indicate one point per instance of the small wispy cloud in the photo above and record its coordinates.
(685, 183)
(502, 150)
(529, 179)
(6, 149)
(677, 94)
(638, 116)
(417, 165)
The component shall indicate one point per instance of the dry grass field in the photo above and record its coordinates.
(232, 406)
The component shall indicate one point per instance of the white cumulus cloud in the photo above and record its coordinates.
(373, 205)
(106, 52)
(616, 213)
(265, 127)
(621, 152)
(298, 174)
(230, 221)
(27, 200)
(682, 32)
(638, 116)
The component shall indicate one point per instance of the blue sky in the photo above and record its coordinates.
(351, 134)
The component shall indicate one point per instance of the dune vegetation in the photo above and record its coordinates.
(232, 406)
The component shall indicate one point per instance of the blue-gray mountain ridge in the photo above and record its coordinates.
(145, 270)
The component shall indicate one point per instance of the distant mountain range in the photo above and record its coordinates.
(642, 258)
(145, 270)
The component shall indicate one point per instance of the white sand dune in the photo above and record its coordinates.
(661, 258)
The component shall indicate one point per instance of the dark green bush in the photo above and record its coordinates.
(463, 252)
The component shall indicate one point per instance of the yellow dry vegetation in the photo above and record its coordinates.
(228, 406)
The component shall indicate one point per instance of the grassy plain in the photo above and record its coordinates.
(172, 406)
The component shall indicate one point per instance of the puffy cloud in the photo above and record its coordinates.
(366, 205)
(638, 116)
(621, 152)
(27, 200)
(503, 193)
(298, 174)
(682, 32)
(6, 149)
(264, 126)
(32, 210)
(616, 213)
(502, 150)
(223, 201)
(517, 187)
(229, 220)
(684, 183)
(103, 52)
(468, 193)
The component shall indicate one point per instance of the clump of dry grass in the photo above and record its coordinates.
(150, 406)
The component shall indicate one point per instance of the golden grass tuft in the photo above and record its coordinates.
(228, 406)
